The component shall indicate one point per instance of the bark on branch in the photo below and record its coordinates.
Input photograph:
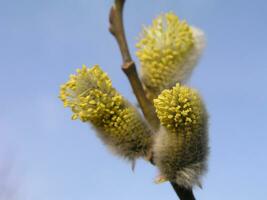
(128, 66)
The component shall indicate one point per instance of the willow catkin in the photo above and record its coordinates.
(168, 51)
(181, 146)
(92, 99)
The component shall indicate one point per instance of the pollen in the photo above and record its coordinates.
(91, 97)
(167, 51)
(179, 109)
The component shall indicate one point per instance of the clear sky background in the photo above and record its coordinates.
(54, 158)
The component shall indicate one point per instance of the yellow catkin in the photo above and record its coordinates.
(91, 97)
(168, 51)
(181, 146)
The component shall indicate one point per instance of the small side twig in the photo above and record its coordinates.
(129, 68)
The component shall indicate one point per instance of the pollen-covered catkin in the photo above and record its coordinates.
(168, 50)
(181, 145)
(92, 98)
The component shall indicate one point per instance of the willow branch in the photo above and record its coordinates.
(183, 193)
(129, 68)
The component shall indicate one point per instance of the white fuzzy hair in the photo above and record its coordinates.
(188, 176)
(193, 56)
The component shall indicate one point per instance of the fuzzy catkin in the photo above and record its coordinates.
(168, 51)
(92, 98)
(181, 145)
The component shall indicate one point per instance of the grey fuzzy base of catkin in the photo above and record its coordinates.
(186, 176)
(191, 175)
(130, 145)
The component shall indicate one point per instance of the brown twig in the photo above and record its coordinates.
(183, 193)
(129, 68)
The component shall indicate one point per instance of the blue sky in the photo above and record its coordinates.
(54, 158)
